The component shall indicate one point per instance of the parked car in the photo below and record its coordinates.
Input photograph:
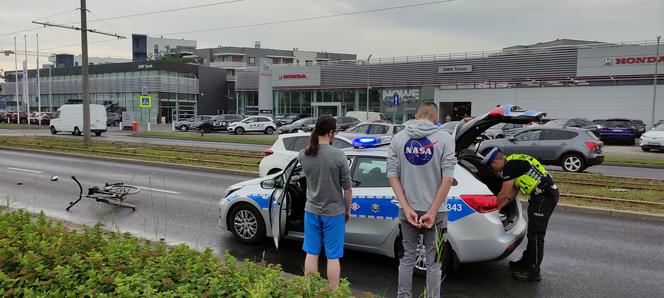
(41, 118)
(22, 117)
(449, 126)
(658, 123)
(366, 116)
(344, 123)
(618, 130)
(69, 118)
(221, 122)
(375, 128)
(290, 118)
(304, 124)
(188, 124)
(653, 139)
(574, 122)
(113, 119)
(573, 149)
(287, 147)
(640, 127)
(502, 130)
(273, 206)
(253, 124)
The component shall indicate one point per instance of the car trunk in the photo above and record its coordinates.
(465, 135)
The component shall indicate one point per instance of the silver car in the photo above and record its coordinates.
(573, 149)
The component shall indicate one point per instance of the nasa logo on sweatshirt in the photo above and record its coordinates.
(419, 151)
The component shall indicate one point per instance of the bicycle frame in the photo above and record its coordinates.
(102, 196)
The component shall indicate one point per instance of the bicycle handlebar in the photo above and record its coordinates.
(79, 184)
(80, 194)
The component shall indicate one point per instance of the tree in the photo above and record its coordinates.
(174, 57)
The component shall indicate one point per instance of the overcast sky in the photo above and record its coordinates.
(457, 26)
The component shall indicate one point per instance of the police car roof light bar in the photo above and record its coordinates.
(365, 142)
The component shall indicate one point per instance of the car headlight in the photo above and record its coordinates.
(231, 190)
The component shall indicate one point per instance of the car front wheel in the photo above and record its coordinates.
(246, 224)
(645, 149)
(77, 132)
(184, 128)
(269, 130)
(53, 131)
(573, 163)
(239, 131)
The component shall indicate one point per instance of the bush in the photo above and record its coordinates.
(40, 257)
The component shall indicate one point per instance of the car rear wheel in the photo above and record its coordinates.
(269, 130)
(184, 128)
(77, 132)
(239, 131)
(53, 131)
(116, 123)
(645, 149)
(573, 163)
(246, 224)
(98, 133)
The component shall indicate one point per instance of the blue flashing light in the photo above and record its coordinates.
(365, 142)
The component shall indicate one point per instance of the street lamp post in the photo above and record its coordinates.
(654, 85)
(368, 86)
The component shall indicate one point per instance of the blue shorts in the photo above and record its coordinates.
(330, 230)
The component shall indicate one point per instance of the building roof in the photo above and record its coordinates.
(556, 43)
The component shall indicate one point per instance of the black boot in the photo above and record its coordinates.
(527, 275)
(518, 265)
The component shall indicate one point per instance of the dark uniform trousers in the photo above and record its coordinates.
(540, 208)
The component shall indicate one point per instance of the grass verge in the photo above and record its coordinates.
(211, 137)
(43, 258)
(633, 161)
(211, 158)
(21, 126)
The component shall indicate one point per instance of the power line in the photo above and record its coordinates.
(38, 28)
(106, 23)
(162, 11)
(312, 18)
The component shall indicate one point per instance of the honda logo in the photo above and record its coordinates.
(608, 61)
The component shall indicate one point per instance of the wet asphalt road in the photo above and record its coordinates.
(585, 255)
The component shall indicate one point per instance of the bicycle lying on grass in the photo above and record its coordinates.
(111, 194)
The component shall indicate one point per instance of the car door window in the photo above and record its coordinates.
(531, 135)
(378, 129)
(398, 128)
(551, 135)
(370, 172)
(361, 129)
(300, 143)
(289, 143)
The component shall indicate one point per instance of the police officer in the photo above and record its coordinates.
(523, 173)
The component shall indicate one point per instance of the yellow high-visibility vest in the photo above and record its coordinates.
(527, 182)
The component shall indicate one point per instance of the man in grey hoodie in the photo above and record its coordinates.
(420, 169)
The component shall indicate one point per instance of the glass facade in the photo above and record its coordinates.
(164, 104)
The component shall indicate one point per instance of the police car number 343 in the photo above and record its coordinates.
(454, 207)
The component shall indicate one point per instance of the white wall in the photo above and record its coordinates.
(170, 42)
(563, 102)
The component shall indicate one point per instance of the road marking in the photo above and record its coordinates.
(24, 170)
(157, 190)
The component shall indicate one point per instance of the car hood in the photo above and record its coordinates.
(654, 134)
(466, 134)
(255, 181)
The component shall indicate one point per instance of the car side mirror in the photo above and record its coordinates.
(271, 183)
(512, 139)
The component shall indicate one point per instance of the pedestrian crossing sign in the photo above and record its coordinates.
(146, 101)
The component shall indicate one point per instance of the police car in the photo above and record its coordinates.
(253, 124)
(273, 206)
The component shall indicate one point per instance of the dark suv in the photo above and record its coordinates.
(618, 130)
(582, 123)
(640, 127)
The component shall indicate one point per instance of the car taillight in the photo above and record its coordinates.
(267, 152)
(481, 203)
(591, 145)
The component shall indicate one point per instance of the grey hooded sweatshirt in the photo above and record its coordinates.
(420, 156)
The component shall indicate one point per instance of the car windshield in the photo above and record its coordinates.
(617, 123)
(302, 121)
(659, 127)
(291, 116)
(556, 123)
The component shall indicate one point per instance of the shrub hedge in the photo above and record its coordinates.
(43, 258)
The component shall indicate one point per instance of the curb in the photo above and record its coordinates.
(605, 212)
(134, 161)
(632, 165)
(194, 140)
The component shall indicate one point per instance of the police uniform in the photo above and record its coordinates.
(531, 179)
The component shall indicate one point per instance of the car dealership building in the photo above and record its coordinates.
(565, 78)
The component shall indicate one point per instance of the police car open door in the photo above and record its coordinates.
(279, 202)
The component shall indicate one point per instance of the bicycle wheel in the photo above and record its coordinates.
(120, 189)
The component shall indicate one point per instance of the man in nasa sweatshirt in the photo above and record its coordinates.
(420, 169)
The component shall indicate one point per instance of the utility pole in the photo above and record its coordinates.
(368, 86)
(26, 79)
(84, 75)
(38, 84)
(654, 85)
(18, 110)
(50, 93)
(85, 67)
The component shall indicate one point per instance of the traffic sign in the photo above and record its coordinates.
(396, 99)
(146, 101)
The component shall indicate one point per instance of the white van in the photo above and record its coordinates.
(362, 116)
(69, 118)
